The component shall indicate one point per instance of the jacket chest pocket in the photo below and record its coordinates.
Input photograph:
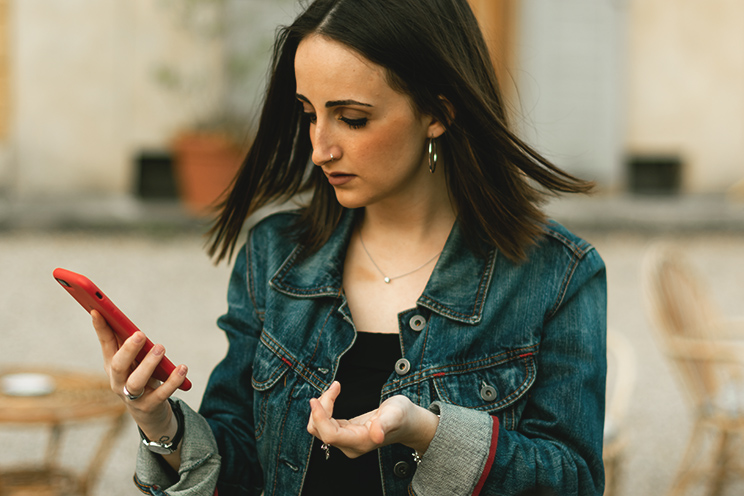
(498, 388)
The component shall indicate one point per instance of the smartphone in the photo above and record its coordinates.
(91, 298)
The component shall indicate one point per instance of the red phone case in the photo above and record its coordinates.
(90, 297)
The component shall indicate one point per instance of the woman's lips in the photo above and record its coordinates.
(339, 178)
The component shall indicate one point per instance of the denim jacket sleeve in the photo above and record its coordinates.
(227, 404)
(221, 434)
(557, 445)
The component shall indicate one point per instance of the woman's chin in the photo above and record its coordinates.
(350, 201)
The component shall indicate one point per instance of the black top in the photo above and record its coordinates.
(363, 371)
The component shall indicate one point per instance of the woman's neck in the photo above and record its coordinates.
(413, 224)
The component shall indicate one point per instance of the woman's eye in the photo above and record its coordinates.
(310, 116)
(355, 123)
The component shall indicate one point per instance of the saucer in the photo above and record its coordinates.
(27, 384)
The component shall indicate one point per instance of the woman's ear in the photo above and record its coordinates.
(450, 109)
(436, 128)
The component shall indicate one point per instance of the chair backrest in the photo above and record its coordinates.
(680, 308)
(621, 378)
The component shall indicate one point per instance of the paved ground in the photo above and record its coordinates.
(162, 279)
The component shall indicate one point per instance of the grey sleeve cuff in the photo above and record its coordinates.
(458, 453)
(200, 462)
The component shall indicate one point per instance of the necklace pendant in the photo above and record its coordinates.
(387, 280)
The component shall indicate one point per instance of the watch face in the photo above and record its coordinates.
(158, 448)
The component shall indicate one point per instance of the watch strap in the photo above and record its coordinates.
(167, 448)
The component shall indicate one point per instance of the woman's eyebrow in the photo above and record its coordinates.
(340, 103)
(334, 103)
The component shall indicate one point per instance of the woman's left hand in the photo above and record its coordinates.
(397, 420)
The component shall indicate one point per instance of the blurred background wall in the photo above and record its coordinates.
(621, 91)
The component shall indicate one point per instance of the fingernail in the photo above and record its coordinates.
(182, 370)
(139, 338)
(158, 350)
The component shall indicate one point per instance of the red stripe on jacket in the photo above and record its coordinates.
(491, 457)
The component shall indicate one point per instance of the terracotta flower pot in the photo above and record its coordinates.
(204, 166)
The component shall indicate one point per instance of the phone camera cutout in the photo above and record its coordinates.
(99, 295)
(64, 283)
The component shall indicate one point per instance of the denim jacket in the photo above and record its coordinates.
(511, 356)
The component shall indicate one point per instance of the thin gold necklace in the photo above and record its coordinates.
(386, 278)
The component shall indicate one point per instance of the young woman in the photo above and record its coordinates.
(418, 327)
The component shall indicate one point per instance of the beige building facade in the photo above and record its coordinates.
(85, 93)
(685, 88)
(83, 100)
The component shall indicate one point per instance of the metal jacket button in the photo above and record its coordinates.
(402, 470)
(488, 393)
(402, 366)
(417, 323)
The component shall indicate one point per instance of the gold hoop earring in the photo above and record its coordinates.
(432, 155)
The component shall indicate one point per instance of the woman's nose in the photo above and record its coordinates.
(324, 148)
(320, 157)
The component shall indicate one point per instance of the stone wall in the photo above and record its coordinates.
(569, 84)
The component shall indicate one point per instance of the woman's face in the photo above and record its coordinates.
(377, 141)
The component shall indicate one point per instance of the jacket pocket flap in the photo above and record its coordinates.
(490, 388)
(268, 367)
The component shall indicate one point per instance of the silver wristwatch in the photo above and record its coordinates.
(162, 448)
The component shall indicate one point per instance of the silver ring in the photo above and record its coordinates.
(332, 159)
(327, 449)
(130, 396)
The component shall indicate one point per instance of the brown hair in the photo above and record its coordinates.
(433, 52)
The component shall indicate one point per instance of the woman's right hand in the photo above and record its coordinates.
(151, 411)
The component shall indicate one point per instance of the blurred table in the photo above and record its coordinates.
(53, 399)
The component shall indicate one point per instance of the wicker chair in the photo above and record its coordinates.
(710, 361)
(621, 379)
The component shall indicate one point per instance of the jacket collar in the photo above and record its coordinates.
(457, 288)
